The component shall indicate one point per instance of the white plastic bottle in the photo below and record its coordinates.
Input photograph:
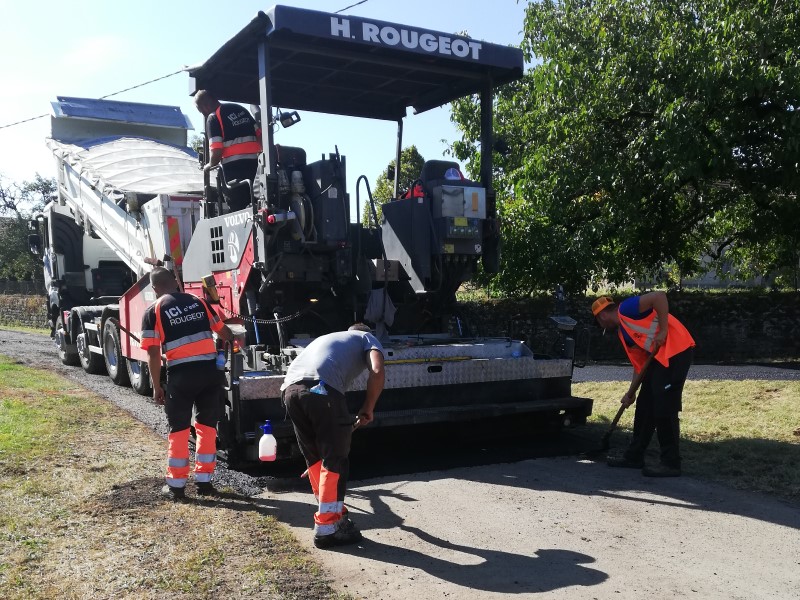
(267, 445)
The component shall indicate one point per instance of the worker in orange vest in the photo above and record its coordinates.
(181, 325)
(234, 144)
(645, 326)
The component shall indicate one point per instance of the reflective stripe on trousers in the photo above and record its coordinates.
(205, 458)
(324, 484)
(178, 458)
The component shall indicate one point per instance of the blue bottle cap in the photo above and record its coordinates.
(266, 428)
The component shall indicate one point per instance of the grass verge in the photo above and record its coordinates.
(81, 517)
(745, 434)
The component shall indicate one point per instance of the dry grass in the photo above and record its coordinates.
(745, 434)
(81, 517)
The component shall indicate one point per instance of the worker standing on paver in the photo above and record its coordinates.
(640, 322)
(180, 325)
(314, 394)
(233, 143)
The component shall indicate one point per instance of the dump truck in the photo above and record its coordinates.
(294, 265)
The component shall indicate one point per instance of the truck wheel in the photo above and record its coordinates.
(139, 376)
(112, 353)
(92, 363)
(68, 356)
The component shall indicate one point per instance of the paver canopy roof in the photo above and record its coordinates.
(353, 66)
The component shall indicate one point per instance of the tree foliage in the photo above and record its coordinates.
(411, 162)
(649, 134)
(18, 204)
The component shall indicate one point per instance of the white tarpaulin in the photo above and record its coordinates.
(133, 165)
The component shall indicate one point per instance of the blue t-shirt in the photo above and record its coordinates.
(630, 308)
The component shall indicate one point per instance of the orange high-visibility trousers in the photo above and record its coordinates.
(205, 458)
(178, 458)
(192, 385)
(323, 427)
(325, 485)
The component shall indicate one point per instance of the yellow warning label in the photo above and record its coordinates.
(449, 249)
(460, 221)
(174, 233)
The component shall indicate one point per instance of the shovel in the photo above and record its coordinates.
(605, 443)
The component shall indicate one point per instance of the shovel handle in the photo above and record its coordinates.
(617, 417)
(637, 381)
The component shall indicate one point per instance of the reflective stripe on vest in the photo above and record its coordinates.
(642, 332)
(237, 148)
(187, 339)
(189, 348)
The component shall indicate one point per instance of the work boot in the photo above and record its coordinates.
(661, 470)
(347, 533)
(624, 462)
(206, 488)
(173, 493)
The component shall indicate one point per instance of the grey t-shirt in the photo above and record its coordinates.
(336, 358)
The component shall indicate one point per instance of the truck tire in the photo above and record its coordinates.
(91, 362)
(68, 356)
(112, 353)
(139, 376)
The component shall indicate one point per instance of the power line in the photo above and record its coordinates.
(147, 82)
(349, 7)
(101, 97)
(24, 121)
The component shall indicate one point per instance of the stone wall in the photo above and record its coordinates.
(733, 326)
(23, 309)
(727, 327)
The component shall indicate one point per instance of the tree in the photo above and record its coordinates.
(411, 162)
(649, 131)
(18, 204)
(196, 143)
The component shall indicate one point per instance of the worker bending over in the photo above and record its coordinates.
(645, 326)
(181, 326)
(314, 394)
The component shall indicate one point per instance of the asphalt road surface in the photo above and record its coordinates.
(492, 512)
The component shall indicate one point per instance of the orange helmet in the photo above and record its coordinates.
(601, 304)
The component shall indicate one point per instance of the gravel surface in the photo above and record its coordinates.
(789, 371)
(38, 350)
(517, 516)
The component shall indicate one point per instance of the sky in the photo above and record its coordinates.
(92, 48)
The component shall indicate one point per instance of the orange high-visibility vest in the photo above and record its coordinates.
(189, 338)
(643, 331)
(236, 148)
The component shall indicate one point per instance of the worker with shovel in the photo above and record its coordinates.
(646, 328)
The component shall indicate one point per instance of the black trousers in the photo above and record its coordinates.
(324, 429)
(193, 384)
(657, 408)
(238, 197)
